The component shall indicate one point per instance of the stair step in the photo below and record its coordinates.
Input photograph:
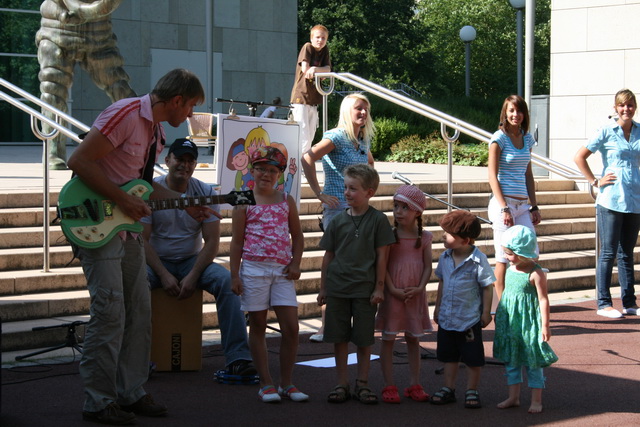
(48, 303)
(18, 335)
(32, 258)
(31, 279)
(34, 281)
(29, 297)
(24, 237)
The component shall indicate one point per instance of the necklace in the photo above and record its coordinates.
(357, 226)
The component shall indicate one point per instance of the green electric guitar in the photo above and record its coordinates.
(90, 221)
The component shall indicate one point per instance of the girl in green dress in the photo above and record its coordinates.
(522, 319)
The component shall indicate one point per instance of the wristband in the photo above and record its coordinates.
(534, 208)
(505, 209)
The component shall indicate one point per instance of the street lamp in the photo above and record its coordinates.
(467, 35)
(518, 5)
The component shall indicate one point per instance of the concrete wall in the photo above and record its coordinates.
(254, 47)
(595, 51)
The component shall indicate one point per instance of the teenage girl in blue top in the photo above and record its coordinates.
(511, 178)
(618, 202)
(347, 144)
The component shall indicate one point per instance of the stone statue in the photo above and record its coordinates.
(77, 31)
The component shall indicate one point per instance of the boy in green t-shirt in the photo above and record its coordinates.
(352, 283)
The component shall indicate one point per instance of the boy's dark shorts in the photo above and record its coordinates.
(454, 347)
(338, 327)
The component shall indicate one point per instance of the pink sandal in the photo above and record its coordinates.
(390, 394)
(416, 392)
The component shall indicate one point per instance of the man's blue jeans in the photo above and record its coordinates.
(216, 280)
(618, 233)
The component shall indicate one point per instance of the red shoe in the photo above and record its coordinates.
(416, 392)
(390, 394)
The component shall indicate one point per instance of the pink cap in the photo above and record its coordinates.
(412, 196)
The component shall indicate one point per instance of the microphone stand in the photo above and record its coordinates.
(70, 340)
(253, 105)
(400, 177)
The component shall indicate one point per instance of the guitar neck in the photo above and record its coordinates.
(184, 202)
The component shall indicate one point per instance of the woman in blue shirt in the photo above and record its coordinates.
(511, 179)
(618, 202)
(347, 144)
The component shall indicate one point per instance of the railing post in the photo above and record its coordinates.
(46, 262)
(325, 103)
(46, 140)
(450, 140)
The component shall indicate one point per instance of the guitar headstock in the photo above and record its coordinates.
(240, 198)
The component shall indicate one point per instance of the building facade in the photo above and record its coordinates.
(595, 51)
(241, 49)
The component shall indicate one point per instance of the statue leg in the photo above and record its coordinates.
(56, 78)
(105, 66)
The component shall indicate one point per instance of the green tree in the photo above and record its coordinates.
(18, 64)
(379, 40)
(493, 52)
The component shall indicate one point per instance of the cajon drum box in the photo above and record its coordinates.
(176, 333)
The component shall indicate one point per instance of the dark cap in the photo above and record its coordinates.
(269, 155)
(461, 223)
(183, 146)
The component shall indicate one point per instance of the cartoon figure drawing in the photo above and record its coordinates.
(238, 160)
(240, 152)
(285, 186)
(256, 138)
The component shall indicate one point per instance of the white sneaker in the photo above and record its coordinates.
(292, 392)
(269, 394)
(611, 314)
(631, 311)
(316, 338)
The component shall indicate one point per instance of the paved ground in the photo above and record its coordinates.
(595, 383)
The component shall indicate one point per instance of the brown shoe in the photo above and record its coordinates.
(147, 407)
(112, 414)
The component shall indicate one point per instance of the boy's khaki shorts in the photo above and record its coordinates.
(338, 326)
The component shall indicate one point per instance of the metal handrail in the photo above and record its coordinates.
(34, 113)
(57, 128)
(446, 120)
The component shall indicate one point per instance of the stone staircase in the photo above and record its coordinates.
(30, 297)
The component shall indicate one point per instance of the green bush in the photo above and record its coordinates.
(415, 137)
(388, 132)
(433, 149)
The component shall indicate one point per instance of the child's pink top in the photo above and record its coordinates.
(266, 236)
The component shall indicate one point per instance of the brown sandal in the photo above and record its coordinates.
(363, 394)
(339, 394)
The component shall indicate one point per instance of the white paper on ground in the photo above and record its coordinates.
(330, 362)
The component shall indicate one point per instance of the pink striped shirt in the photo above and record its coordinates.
(128, 124)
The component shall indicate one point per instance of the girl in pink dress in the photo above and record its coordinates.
(404, 308)
(266, 250)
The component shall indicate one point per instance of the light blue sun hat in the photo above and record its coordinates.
(521, 240)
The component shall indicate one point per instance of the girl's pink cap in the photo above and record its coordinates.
(412, 196)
